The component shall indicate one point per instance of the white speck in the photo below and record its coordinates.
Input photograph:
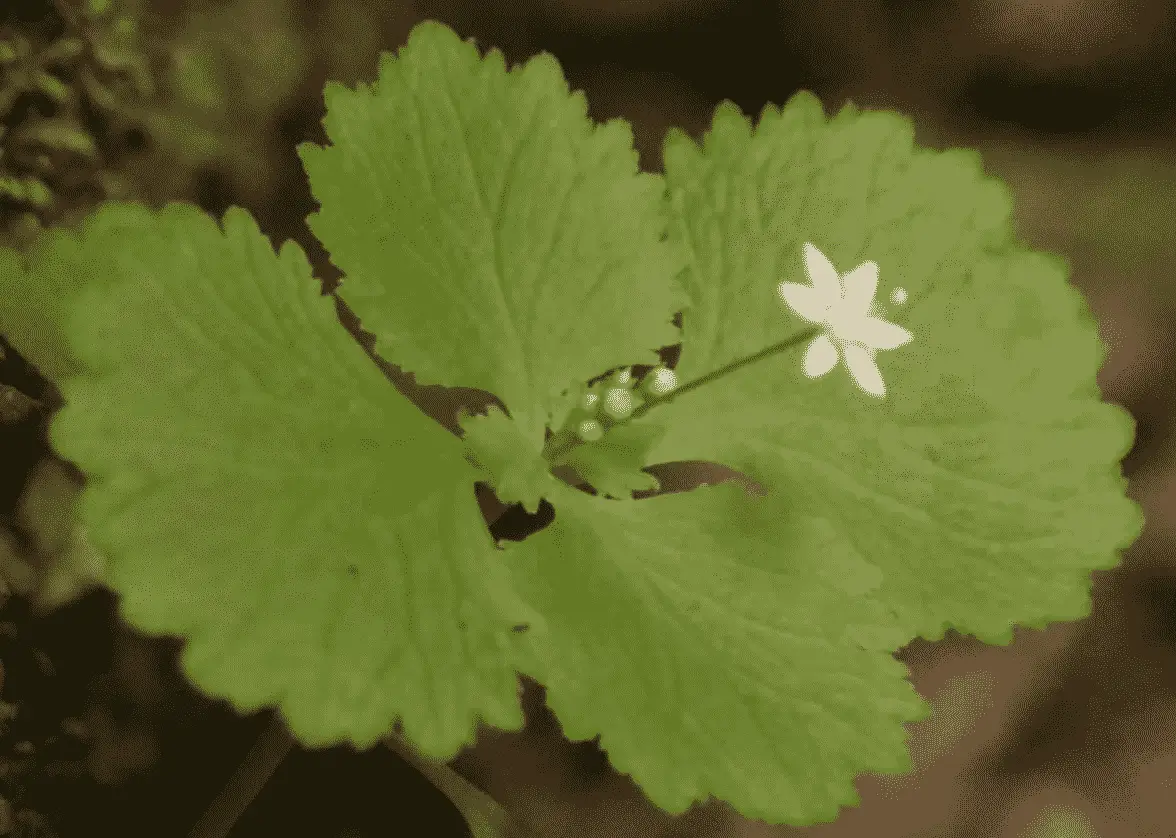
(898, 296)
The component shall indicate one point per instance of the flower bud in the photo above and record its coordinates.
(590, 430)
(659, 382)
(618, 403)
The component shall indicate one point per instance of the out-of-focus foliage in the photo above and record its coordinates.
(226, 72)
(71, 75)
(109, 99)
(1121, 208)
(56, 563)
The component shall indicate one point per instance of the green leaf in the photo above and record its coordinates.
(491, 235)
(497, 448)
(986, 485)
(261, 489)
(612, 465)
(710, 659)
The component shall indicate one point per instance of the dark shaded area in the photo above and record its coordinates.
(1083, 102)
(61, 674)
(21, 443)
(344, 794)
(738, 52)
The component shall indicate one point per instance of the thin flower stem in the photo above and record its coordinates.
(559, 445)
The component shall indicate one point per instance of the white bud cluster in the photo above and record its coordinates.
(615, 399)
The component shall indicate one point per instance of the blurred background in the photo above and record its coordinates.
(1069, 731)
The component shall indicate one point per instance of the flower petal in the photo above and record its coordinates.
(805, 301)
(822, 274)
(864, 370)
(820, 357)
(861, 284)
(877, 333)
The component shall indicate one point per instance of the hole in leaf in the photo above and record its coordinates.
(436, 401)
(516, 523)
(568, 475)
(589, 759)
(685, 475)
(488, 502)
(511, 523)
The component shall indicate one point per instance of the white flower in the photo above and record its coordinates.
(844, 305)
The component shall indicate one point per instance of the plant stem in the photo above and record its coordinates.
(250, 778)
(482, 813)
(484, 816)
